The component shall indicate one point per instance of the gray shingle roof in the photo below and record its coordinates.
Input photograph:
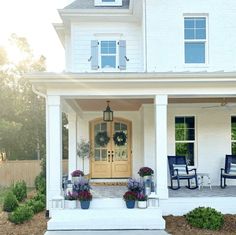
(89, 4)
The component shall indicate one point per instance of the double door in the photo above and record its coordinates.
(111, 149)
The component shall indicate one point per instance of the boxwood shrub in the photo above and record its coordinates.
(20, 190)
(10, 202)
(21, 214)
(206, 218)
(36, 206)
(40, 197)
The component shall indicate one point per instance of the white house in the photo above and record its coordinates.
(166, 67)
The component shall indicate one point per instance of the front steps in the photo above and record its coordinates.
(106, 214)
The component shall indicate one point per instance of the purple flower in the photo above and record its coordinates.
(71, 196)
(141, 197)
(135, 185)
(144, 171)
(77, 173)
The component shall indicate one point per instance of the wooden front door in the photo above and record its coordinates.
(110, 160)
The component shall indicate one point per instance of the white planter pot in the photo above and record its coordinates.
(70, 204)
(142, 204)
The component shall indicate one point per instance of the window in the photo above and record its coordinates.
(108, 2)
(195, 40)
(108, 54)
(233, 134)
(185, 138)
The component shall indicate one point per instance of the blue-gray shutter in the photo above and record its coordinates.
(122, 55)
(94, 55)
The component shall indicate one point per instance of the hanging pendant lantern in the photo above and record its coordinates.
(108, 114)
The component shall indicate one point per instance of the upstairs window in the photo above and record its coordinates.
(108, 54)
(108, 2)
(195, 40)
(233, 134)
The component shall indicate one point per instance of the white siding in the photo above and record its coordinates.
(165, 34)
(83, 33)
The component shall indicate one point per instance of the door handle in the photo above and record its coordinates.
(112, 156)
(108, 157)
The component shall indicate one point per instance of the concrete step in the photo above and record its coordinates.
(106, 219)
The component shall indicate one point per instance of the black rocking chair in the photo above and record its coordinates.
(229, 172)
(179, 171)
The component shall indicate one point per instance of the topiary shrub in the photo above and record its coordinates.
(205, 217)
(36, 206)
(10, 202)
(40, 184)
(21, 214)
(40, 197)
(20, 190)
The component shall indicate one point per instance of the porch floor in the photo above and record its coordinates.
(118, 191)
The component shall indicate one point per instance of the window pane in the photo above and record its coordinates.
(201, 22)
(108, 0)
(108, 62)
(189, 122)
(200, 34)
(233, 128)
(234, 148)
(188, 34)
(186, 149)
(189, 23)
(194, 52)
(179, 134)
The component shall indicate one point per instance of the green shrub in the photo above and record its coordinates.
(40, 197)
(205, 217)
(21, 214)
(10, 202)
(40, 184)
(36, 206)
(20, 190)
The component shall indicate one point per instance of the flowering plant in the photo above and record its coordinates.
(85, 196)
(141, 197)
(144, 171)
(130, 196)
(77, 173)
(135, 185)
(81, 185)
(71, 196)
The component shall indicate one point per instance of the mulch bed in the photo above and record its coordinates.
(175, 225)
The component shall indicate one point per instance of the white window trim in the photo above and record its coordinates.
(100, 55)
(197, 65)
(188, 141)
(101, 3)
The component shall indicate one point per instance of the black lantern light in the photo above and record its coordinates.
(108, 114)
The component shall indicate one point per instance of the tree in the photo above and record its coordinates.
(22, 113)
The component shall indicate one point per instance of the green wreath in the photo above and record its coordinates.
(102, 138)
(120, 138)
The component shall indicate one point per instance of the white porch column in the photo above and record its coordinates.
(161, 145)
(72, 161)
(54, 149)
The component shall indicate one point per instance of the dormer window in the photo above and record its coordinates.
(108, 2)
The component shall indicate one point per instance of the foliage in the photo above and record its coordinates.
(10, 202)
(81, 185)
(135, 185)
(19, 189)
(141, 197)
(22, 116)
(85, 196)
(130, 196)
(71, 196)
(144, 171)
(40, 184)
(36, 205)
(119, 138)
(206, 218)
(77, 173)
(21, 214)
(40, 197)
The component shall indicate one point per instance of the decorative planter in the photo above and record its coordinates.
(147, 177)
(84, 204)
(70, 204)
(75, 179)
(148, 184)
(130, 204)
(142, 204)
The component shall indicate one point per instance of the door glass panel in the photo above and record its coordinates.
(121, 149)
(100, 152)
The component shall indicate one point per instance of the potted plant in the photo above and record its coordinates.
(130, 198)
(81, 185)
(146, 173)
(83, 150)
(70, 200)
(85, 197)
(142, 200)
(135, 185)
(76, 175)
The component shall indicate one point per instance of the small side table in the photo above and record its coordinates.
(201, 180)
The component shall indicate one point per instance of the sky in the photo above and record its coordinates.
(33, 20)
